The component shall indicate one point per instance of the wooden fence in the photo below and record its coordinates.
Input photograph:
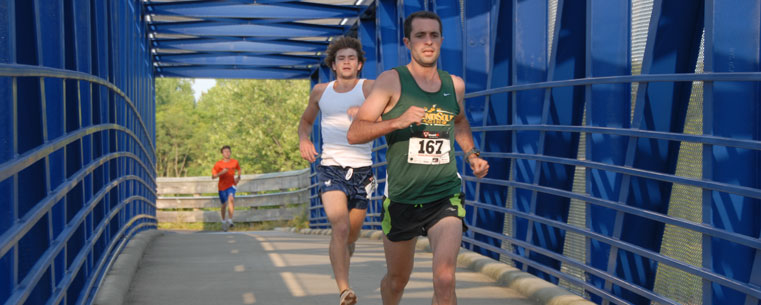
(272, 196)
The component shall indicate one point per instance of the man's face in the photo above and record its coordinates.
(424, 42)
(226, 153)
(346, 64)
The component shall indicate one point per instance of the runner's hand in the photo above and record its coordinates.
(307, 150)
(223, 171)
(479, 166)
(413, 115)
(352, 111)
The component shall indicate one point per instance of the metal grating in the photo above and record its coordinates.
(245, 39)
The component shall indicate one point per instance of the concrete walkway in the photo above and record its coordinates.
(273, 267)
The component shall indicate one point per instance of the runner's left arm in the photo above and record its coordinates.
(464, 135)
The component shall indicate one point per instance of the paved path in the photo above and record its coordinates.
(273, 267)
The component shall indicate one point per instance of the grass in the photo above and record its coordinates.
(216, 226)
(299, 222)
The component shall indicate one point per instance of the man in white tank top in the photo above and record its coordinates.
(345, 177)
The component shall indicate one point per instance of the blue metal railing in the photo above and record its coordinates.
(587, 112)
(752, 291)
(77, 167)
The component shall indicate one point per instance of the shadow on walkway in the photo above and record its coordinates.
(272, 267)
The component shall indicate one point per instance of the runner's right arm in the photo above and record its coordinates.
(215, 172)
(308, 152)
(367, 126)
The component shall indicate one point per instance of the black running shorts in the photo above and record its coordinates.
(402, 221)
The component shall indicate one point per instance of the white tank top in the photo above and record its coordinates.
(335, 123)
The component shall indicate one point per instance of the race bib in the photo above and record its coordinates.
(429, 148)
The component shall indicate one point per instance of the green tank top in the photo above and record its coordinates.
(417, 172)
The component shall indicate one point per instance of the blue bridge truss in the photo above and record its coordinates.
(624, 136)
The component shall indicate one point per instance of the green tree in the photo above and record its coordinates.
(176, 127)
(258, 119)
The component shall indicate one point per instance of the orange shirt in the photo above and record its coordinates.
(227, 179)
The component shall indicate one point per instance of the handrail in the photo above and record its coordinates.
(660, 258)
(737, 238)
(80, 259)
(101, 228)
(17, 164)
(706, 184)
(103, 269)
(21, 70)
(630, 132)
(642, 78)
(46, 259)
(11, 236)
(555, 272)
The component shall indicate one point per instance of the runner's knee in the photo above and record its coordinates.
(445, 280)
(396, 282)
(340, 230)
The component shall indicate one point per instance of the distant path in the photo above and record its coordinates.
(272, 267)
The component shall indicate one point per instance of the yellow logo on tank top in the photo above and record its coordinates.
(437, 116)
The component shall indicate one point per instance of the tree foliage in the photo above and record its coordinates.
(176, 135)
(257, 118)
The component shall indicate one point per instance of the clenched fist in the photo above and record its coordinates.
(413, 115)
(479, 166)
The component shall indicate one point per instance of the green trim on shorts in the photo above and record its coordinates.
(386, 222)
(457, 201)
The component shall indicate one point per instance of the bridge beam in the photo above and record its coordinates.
(732, 109)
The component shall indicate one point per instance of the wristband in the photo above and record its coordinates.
(472, 152)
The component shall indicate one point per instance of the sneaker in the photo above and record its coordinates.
(348, 297)
(224, 226)
(230, 223)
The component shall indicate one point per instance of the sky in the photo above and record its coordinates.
(201, 85)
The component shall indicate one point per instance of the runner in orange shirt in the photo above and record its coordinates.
(225, 170)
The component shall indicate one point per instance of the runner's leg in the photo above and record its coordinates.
(230, 206)
(445, 237)
(335, 205)
(400, 258)
(356, 218)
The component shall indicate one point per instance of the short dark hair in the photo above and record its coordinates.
(423, 15)
(344, 42)
(225, 147)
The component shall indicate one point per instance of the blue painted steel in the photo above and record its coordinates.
(499, 112)
(651, 78)
(240, 10)
(227, 28)
(226, 72)
(529, 66)
(367, 36)
(608, 54)
(451, 59)
(477, 53)
(673, 46)
(272, 27)
(79, 166)
(240, 59)
(315, 213)
(231, 45)
(739, 143)
(318, 218)
(562, 106)
(731, 109)
(526, 107)
(390, 33)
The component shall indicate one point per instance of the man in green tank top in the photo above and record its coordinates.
(420, 111)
